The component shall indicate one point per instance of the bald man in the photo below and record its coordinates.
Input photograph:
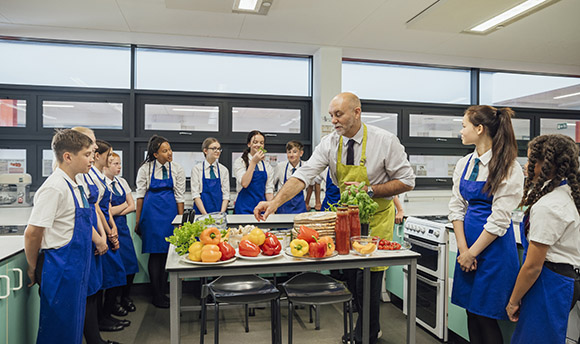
(356, 153)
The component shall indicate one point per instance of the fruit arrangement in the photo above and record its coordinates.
(210, 248)
(308, 243)
(385, 244)
(257, 242)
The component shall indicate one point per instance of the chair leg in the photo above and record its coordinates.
(273, 321)
(203, 320)
(279, 321)
(310, 313)
(246, 311)
(345, 318)
(351, 325)
(216, 334)
(317, 317)
(290, 314)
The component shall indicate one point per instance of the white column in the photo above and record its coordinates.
(326, 83)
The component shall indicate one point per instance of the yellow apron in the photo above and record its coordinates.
(383, 221)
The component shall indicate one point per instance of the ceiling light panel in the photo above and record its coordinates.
(523, 8)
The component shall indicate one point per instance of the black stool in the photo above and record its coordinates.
(241, 290)
(311, 288)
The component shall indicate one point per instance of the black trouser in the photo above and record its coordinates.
(157, 274)
(91, 329)
(568, 271)
(127, 288)
(110, 301)
(483, 330)
(375, 303)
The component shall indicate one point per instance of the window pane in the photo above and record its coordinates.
(406, 83)
(48, 161)
(186, 159)
(63, 114)
(433, 166)
(560, 126)
(387, 121)
(525, 90)
(223, 73)
(12, 113)
(12, 161)
(266, 120)
(272, 158)
(181, 117)
(435, 126)
(521, 128)
(65, 65)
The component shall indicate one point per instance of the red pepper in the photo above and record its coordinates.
(317, 249)
(271, 245)
(308, 234)
(227, 251)
(248, 248)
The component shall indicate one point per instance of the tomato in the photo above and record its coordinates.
(388, 245)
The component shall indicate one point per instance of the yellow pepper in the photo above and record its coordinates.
(257, 236)
(195, 251)
(210, 253)
(299, 247)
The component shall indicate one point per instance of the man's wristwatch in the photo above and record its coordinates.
(370, 191)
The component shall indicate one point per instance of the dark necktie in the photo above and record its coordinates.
(211, 172)
(293, 170)
(83, 197)
(350, 152)
(114, 187)
(475, 171)
(164, 169)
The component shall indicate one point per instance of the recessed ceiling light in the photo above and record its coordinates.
(252, 6)
(507, 15)
(267, 4)
(568, 95)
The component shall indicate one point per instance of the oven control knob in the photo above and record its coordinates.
(422, 230)
(436, 233)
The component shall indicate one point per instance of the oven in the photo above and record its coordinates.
(428, 236)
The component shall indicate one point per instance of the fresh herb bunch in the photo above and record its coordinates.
(186, 234)
(355, 195)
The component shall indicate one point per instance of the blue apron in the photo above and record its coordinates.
(249, 197)
(545, 307)
(96, 269)
(211, 192)
(485, 291)
(113, 271)
(126, 247)
(297, 204)
(159, 210)
(63, 288)
(332, 194)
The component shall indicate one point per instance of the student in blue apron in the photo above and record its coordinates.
(254, 176)
(331, 193)
(114, 276)
(548, 285)
(283, 171)
(160, 197)
(57, 241)
(210, 180)
(122, 204)
(94, 294)
(487, 186)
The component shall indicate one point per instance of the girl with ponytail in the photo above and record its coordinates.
(547, 285)
(254, 176)
(160, 196)
(487, 186)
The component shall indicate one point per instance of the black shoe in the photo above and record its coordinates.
(123, 322)
(110, 326)
(128, 304)
(346, 339)
(119, 311)
(160, 302)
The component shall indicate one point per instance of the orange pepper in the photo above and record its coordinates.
(329, 244)
(210, 253)
(210, 235)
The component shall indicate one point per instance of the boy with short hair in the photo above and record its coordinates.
(57, 241)
(294, 151)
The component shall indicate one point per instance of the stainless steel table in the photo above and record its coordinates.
(179, 270)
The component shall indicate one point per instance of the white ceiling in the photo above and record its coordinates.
(547, 40)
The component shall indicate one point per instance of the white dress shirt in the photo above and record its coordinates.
(54, 209)
(122, 183)
(280, 169)
(144, 179)
(554, 221)
(240, 169)
(97, 177)
(386, 159)
(80, 179)
(197, 180)
(506, 198)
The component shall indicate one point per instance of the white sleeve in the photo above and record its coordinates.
(124, 184)
(505, 200)
(196, 181)
(179, 179)
(316, 164)
(396, 163)
(46, 203)
(270, 180)
(457, 204)
(142, 181)
(225, 176)
(278, 176)
(548, 222)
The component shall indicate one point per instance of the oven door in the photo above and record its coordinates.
(432, 260)
(431, 303)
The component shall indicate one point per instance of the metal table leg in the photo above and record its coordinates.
(175, 307)
(412, 302)
(366, 312)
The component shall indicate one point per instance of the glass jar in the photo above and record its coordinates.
(353, 214)
(342, 230)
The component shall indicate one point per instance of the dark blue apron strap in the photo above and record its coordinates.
(73, 194)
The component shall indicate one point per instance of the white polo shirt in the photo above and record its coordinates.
(54, 209)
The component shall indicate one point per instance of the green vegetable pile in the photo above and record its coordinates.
(355, 195)
(185, 235)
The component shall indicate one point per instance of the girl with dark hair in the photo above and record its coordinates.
(547, 285)
(112, 263)
(487, 186)
(160, 196)
(254, 176)
(210, 180)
